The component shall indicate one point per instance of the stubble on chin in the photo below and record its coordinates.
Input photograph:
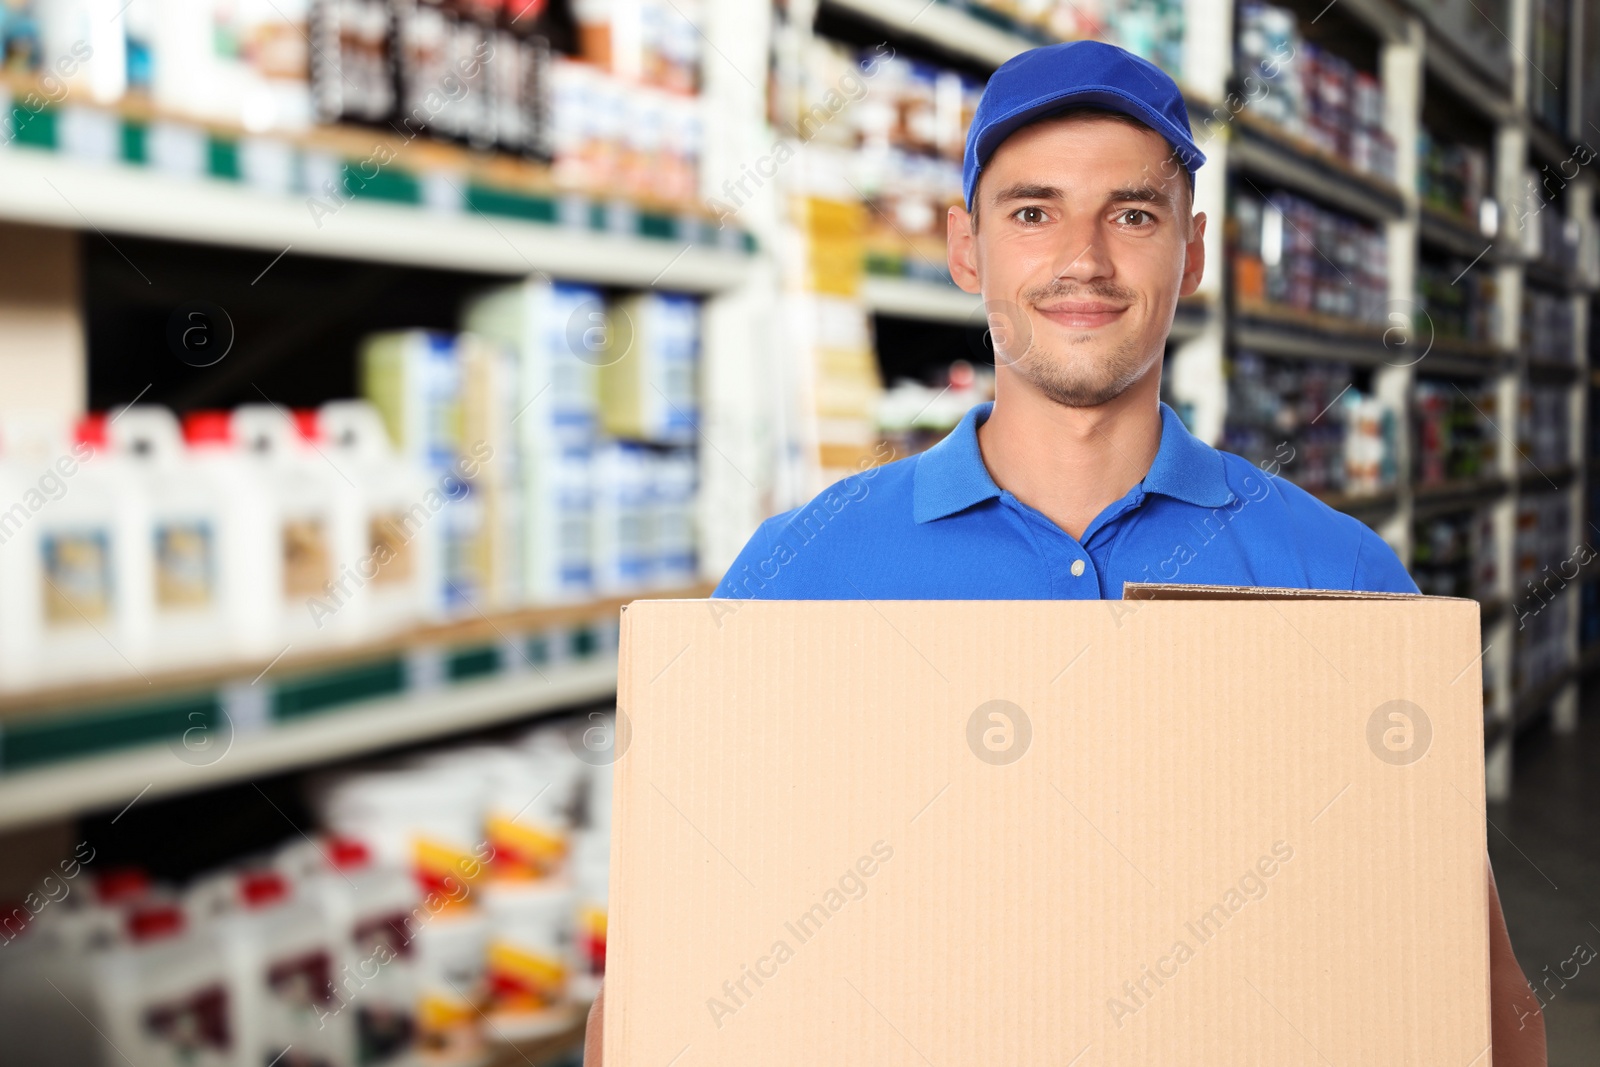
(1077, 377)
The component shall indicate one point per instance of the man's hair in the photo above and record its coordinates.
(1089, 111)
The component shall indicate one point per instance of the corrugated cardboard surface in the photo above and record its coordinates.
(1215, 848)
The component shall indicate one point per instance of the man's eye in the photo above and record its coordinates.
(1030, 216)
(1136, 216)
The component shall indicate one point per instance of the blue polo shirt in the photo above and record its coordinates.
(936, 527)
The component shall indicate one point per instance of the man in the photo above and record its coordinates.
(1079, 232)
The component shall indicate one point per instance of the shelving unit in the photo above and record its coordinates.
(1418, 54)
(754, 416)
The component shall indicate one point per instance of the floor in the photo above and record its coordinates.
(1545, 846)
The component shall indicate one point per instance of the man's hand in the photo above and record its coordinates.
(1515, 1020)
(597, 1021)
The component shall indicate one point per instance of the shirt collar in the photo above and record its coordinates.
(951, 477)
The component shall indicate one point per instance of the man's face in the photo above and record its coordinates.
(1084, 245)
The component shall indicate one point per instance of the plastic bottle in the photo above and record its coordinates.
(368, 909)
(299, 488)
(529, 956)
(386, 556)
(184, 586)
(164, 997)
(451, 954)
(280, 964)
(68, 527)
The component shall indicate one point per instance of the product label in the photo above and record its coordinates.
(184, 568)
(77, 577)
(192, 1031)
(523, 852)
(307, 561)
(592, 940)
(524, 980)
(389, 549)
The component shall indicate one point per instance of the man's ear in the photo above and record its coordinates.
(1194, 256)
(961, 249)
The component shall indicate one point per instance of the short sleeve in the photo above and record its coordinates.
(1378, 569)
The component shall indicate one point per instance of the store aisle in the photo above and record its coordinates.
(1542, 846)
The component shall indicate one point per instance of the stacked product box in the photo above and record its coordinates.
(1549, 326)
(1312, 93)
(1543, 593)
(1307, 421)
(448, 903)
(1544, 427)
(1454, 433)
(1452, 178)
(1293, 254)
(1456, 555)
(1548, 235)
(606, 395)
(1456, 301)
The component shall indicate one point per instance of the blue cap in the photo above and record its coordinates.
(1077, 73)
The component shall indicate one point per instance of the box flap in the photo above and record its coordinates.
(1182, 591)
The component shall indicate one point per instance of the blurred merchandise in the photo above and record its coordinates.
(1291, 255)
(913, 416)
(1544, 427)
(586, 368)
(1549, 237)
(1456, 555)
(1315, 96)
(1549, 40)
(1549, 326)
(1307, 421)
(621, 123)
(432, 917)
(1545, 560)
(1454, 435)
(1456, 302)
(1453, 178)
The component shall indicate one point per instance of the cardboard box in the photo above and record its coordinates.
(1210, 827)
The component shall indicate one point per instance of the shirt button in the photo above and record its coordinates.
(1077, 568)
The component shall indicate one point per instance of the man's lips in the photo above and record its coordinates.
(1083, 314)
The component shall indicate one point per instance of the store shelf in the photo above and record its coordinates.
(1443, 60)
(1489, 611)
(72, 787)
(1551, 372)
(1292, 335)
(1475, 359)
(474, 630)
(1380, 16)
(1456, 235)
(1531, 482)
(73, 749)
(1553, 276)
(1261, 151)
(1362, 505)
(908, 298)
(566, 1041)
(49, 189)
(1458, 495)
(940, 25)
(1545, 143)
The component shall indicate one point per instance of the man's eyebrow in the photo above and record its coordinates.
(1144, 194)
(1022, 191)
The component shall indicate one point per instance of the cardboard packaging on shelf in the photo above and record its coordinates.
(1200, 825)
